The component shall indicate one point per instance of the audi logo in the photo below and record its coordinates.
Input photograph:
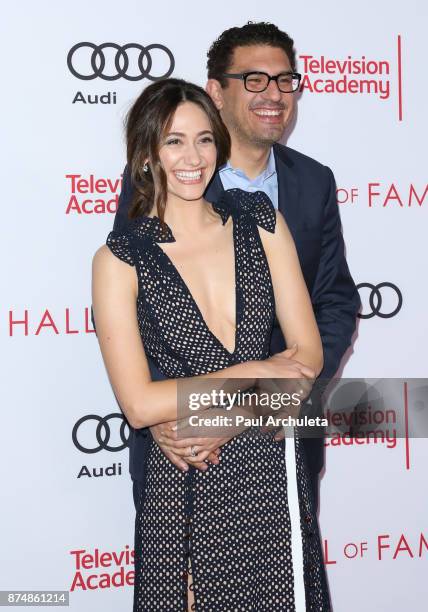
(103, 433)
(120, 64)
(376, 297)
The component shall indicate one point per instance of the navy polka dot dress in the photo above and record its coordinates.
(228, 528)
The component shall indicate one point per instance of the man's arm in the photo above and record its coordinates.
(121, 220)
(334, 295)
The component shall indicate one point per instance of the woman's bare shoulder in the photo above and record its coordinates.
(104, 259)
(107, 267)
(281, 237)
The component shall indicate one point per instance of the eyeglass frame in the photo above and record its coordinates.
(244, 75)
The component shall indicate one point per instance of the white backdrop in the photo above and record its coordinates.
(373, 498)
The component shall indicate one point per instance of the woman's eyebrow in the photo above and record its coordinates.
(182, 134)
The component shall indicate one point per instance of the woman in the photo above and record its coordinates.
(195, 287)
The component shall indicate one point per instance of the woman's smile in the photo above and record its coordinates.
(189, 177)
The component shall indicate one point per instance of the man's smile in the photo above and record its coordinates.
(266, 114)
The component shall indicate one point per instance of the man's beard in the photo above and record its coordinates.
(251, 138)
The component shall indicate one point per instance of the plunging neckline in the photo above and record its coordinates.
(186, 289)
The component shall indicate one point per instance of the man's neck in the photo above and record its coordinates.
(252, 160)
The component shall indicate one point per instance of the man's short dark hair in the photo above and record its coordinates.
(220, 54)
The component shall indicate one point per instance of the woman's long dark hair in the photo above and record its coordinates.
(147, 121)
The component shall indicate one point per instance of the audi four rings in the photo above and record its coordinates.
(375, 300)
(102, 433)
(121, 62)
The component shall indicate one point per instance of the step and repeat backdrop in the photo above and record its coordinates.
(70, 73)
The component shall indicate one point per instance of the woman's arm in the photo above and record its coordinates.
(293, 305)
(143, 401)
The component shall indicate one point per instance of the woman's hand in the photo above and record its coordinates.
(204, 449)
(165, 437)
(203, 438)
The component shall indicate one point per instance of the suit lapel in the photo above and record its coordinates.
(214, 189)
(288, 187)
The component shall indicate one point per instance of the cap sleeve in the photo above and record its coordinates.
(120, 245)
(256, 207)
(262, 210)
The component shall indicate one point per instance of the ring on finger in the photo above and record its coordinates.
(193, 452)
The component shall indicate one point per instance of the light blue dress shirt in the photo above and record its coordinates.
(266, 181)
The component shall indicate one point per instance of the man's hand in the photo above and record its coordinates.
(166, 438)
(296, 379)
(284, 366)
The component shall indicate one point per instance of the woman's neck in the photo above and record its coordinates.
(187, 217)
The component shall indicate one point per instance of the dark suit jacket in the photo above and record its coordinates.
(307, 199)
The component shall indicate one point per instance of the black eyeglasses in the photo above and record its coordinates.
(259, 81)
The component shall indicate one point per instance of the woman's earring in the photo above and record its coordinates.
(146, 167)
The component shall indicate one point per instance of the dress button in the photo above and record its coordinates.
(184, 576)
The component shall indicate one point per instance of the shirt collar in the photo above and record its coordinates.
(271, 166)
(267, 172)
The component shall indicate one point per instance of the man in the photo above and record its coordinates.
(253, 82)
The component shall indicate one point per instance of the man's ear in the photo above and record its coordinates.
(215, 91)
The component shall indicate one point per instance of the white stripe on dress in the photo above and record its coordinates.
(294, 510)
